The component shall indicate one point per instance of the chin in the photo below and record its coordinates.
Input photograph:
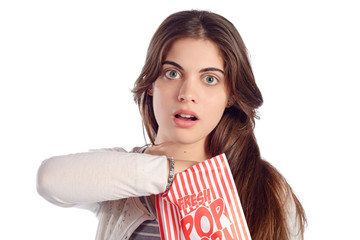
(188, 140)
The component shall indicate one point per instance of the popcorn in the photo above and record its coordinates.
(202, 203)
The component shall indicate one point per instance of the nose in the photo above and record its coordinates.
(188, 92)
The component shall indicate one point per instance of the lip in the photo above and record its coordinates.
(187, 112)
(185, 123)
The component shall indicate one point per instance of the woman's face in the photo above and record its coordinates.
(190, 95)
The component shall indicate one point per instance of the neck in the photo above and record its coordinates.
(188, 152)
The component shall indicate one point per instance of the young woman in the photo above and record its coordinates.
(197, 97)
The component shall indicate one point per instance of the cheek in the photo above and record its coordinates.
(161, 104)
(216, 110)
(219, 102)
(217, 115)
(158, 106)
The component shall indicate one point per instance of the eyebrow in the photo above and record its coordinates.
(209, 69)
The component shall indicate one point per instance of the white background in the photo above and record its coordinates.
(67, 67)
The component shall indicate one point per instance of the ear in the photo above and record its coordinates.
(150, 91)
(230, 102)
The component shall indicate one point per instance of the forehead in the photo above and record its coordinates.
(191, 52)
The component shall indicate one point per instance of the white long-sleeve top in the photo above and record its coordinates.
(101, 175)
(109, 182)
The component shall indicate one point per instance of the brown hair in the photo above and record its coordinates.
(262, 189)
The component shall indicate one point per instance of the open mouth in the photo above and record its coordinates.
(186, 117)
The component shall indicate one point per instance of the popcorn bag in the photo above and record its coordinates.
(202, 203)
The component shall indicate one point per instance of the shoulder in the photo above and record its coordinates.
(289, 205)
(113, 149)
(120, 149)
(295, 216)
(140, 149)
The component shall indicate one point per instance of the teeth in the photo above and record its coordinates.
(186, 115)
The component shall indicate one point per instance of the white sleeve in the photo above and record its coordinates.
(85, 178)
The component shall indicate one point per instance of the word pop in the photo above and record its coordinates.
(206, 223)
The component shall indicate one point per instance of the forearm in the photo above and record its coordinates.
(100, 176)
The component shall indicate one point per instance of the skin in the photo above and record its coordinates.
(193, 80)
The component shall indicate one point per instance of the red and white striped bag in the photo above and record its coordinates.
(202, 203)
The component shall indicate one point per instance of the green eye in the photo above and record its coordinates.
(172, 74)
(211, 80)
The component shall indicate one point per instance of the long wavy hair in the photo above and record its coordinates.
(263, 191)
